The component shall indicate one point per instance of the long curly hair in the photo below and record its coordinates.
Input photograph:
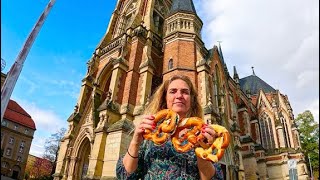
(158, 99)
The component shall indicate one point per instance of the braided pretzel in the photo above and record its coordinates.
(193, 136)
(166, 120)
(221, 143)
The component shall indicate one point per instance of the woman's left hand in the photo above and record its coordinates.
(209, 134)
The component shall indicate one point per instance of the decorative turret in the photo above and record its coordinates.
(183, 18)
(225, 68)
(235, 75)
(183, 46)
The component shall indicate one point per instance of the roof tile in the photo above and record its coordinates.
(17, 114)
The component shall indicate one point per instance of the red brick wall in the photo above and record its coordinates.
(121, 88)
(183, 54)
(132, 79)
(253, 131)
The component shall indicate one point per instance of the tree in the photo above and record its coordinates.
(41, 168)
(52, 146)
(37, 168)
(309, 137)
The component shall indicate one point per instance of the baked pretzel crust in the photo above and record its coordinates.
(169, 126)
(166, 121)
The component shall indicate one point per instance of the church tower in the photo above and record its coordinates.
(182, 40)
(145, 43)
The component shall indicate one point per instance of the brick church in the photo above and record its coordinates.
(146, 42)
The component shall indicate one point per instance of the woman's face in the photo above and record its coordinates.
(178, 97)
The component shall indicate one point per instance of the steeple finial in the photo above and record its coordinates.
(235, 73)
(219, 43)
(220, 51)
(253, 71)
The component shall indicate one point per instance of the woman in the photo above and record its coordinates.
(147, 161)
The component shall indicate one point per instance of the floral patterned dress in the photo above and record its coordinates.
(163, 162)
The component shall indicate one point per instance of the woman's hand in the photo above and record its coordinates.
(209, 134)
(130, 160)
(206, 169)
(146, 123)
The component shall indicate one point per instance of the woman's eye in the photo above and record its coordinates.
(186, 92)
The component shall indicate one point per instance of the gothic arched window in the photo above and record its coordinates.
(285, 131)
(216, 88)
(158, 23)
(125, 19)
(170, 64)
(257, 133)
(267, 139)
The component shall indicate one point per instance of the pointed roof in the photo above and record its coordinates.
(253, 83)
(235, 73)
(219, 51)
(17, 114)
(222, 59)
(182, 6)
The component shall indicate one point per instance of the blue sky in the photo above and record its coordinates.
(49, 84)
(279, 41)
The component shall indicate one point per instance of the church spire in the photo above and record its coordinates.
(182, 26)
(185, 6)
(235, 74)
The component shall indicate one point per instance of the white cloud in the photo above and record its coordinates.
(47, 122)
(32, 86)
(45, 119)
(279, 38)
(37, 146)
(314, 108)
(53, 87)
(306, 78)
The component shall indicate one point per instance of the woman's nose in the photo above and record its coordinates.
(178, 94)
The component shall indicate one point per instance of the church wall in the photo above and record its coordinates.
(186, 50)
(241, 122)
(170, 52)
(254, 127)
(132, 78)
(250, 166)
(120, 88)
(262, 170)
(116, 144)
(158, 62)
(277, 171)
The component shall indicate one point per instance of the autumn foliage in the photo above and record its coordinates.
(38, 168)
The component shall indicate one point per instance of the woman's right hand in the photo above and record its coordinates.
(146, 123)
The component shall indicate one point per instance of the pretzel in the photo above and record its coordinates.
(192, 135)
(221, 143)
(166, 121)
(193, 138)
